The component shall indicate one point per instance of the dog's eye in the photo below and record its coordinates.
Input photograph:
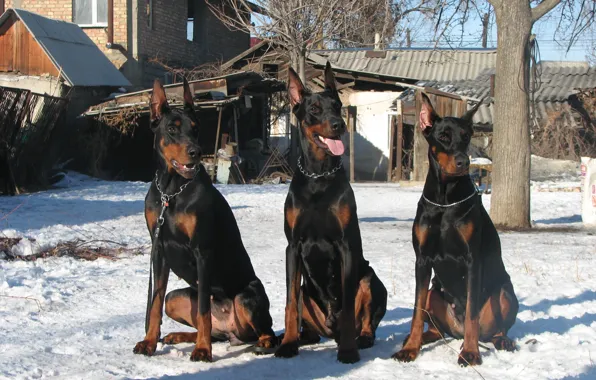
(314, 110)
(172, 129)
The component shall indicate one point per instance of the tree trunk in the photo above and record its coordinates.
(298, 63)
(302, 66)
(510, 203)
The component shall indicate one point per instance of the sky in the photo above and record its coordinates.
(550, 48)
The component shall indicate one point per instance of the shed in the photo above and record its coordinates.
(231, 108)
(34, 45)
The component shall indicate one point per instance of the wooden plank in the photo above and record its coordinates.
(352, 129)
(392, 128)
(430, 90)
(216, 143)
(420, 159)
(6, 45)
(398, 150)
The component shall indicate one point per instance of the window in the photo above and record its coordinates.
(90, 12)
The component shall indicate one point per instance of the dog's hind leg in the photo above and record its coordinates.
(180, 337)
(497, 316)
(371, 305)
(251, 309)
(180, 306)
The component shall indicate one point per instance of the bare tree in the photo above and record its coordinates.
(384, 17)
(510, 203)
(303, 25)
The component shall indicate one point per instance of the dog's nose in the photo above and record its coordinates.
(337, 125)
(192, 152)
(462, 163)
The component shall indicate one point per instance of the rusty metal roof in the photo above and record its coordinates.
(73, 53)
(412, 63)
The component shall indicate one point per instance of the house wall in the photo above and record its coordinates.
(371, 141)
(62, 10)
(166, 39)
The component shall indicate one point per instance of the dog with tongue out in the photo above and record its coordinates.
(331, 288)
(321, 125)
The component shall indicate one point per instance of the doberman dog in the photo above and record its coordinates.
(341, 298)
(471, 295)
(200, 242)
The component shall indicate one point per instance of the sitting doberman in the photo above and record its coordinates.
(471, 295)
(199, 241)
(341, 298)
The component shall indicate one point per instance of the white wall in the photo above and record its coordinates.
(38, 85)
(371, 142)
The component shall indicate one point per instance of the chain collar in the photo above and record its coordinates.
(324, 174)
(476, 192)
(165, 198)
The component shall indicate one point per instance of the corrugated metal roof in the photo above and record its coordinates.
(71, 50)
(418, 64)
(558, 81)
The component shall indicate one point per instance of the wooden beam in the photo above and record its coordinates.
(216, 143)
(420, 159)
(434, 91)
(346, 85)
(352, 129)
(391, 138)
(398, 148)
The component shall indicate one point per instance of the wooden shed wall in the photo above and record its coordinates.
(20, 52)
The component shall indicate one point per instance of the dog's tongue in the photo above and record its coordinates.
(335, 146)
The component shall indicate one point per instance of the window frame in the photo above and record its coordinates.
(94, 22)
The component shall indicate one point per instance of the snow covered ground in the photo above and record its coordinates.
(93, 312)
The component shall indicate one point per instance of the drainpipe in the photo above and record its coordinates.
(110, 44)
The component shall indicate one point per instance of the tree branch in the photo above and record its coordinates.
(543, 8)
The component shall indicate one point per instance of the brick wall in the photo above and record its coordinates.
(167, 38)
(62, 10)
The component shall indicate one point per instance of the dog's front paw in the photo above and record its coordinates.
(287, 350)
(406, 355)
(467, 358)
(145, 347)
(201, 355)
(348, 356)
(365, 341)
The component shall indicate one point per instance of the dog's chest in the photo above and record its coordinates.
(443, 241)
(318, 223)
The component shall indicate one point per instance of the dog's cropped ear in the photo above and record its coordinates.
(427, 115)
(188, 101)
(159, 103)
(330, 79)
(468, 116)
(295, 88)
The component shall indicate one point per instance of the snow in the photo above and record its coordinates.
(480, 161)
(92, 313)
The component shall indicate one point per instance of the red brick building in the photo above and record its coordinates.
(183, 33)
